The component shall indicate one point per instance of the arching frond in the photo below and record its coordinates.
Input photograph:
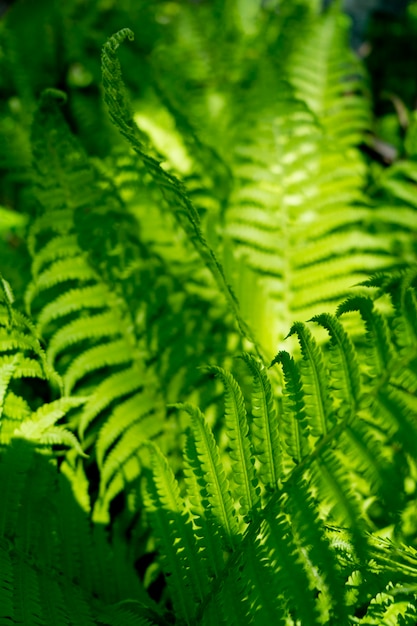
(171, 188)
(90, 332)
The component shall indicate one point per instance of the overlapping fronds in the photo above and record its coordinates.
(172, 190)
(58, 570)
(335, 434)
(80, 301)
(294, 236)
(23, 368)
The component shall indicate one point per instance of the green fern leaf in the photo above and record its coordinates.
(138, 408)
(113, 387)
(100, 356)
(336, 491)
(169, 185)
(122, 460)
(78, 330)
(277, 547)
(342, 362)
(7, 371)
(213, 537)
(41, 425)
(93, 297)
(326, 573)
(377, 333)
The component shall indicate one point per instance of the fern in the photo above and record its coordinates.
(222, 206)
(334, 84)
(85, 312)
(59, 571)
(170, 187)
(326, 484)
(42, 561)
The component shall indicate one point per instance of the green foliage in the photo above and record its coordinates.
(148, 476)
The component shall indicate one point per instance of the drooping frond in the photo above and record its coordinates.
(171, 188)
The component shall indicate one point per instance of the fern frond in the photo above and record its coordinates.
(322, 562)
(41, 425)
(338, 494)
(170, 186)
(81, 329)
(377, 332)
(295, 427)
(290, 237)
(137, 408)
(23, 358)
(277, 548)
(342, 362)
(7, 371)
(286, 561)
(55, 569)
(120, 462)
(118, 385)
(94, 297)
(330, 79)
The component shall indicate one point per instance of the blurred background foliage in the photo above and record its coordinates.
(56, 43)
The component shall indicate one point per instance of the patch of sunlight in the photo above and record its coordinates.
(160, 127)
(10, 219)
